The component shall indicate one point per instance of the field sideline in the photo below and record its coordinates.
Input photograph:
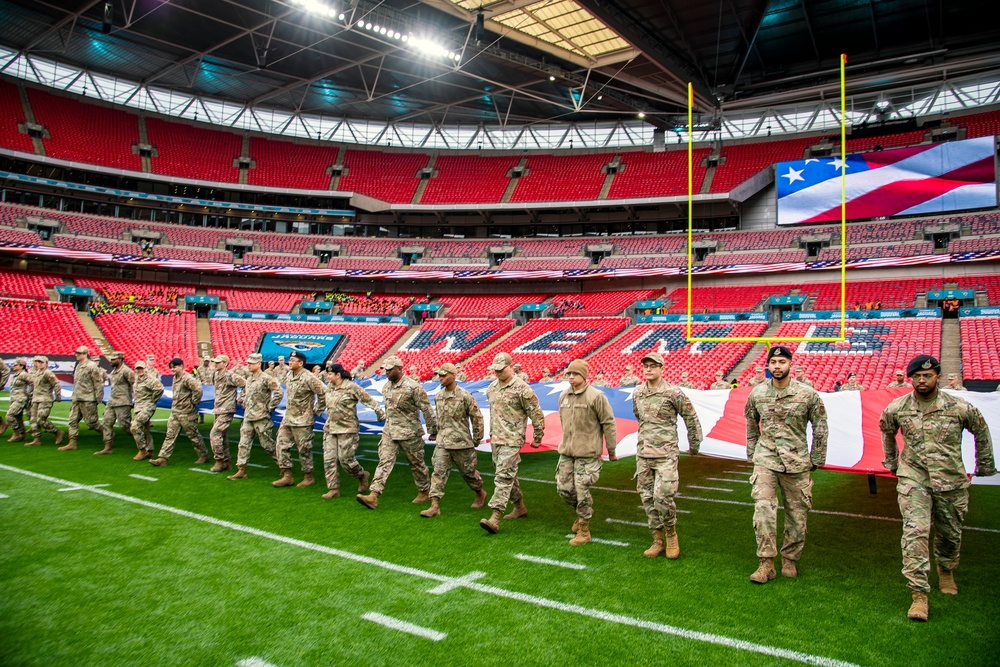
(108, 561)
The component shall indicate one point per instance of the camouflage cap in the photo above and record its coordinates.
(280, 358)
(655, 357)
(501, 361)
(116, 355)
(517, 367)
(21, 361)
(83, 349)
(392, 362)
(758, 369)
(219, 358)
(40, 357)
(445, 369)
(685, 375)
(140, 364)
(255, 358)
(628, 367)
(952, 376)
(719, 374)
(899, 372)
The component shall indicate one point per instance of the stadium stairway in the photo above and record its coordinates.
(204, 337)
(95, 332)
(951, 348)
(752, 353)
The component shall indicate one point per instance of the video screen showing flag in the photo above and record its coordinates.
(938, 178)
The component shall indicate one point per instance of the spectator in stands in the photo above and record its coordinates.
(954, 382)
(899, 382)
(720, 382)
(758, 377)
(800, 375)
(629, 379)
(878, 304)
(852, 383)
(685, 381)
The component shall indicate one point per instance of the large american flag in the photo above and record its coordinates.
(954, 176)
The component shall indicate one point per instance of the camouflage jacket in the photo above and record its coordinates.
(754, 381)
(896, 385)
(20, 387)
(206, 374)
(226, 383)
(45, 387)
(523, 377)
(719, 385)
(461, 377)
(186, 395)
(147, 390)
(629, 380)
(261, 395)
(342, 407)
(455, 410)
(588, 424)
(807, 382)
(656, 411)
(88, 382)
(932, 441)
(686, 384)
(282, 373)
(776, 427)
(852, 386)
(403, 404)
(305, 392)
(599, 383)
(122, 379)
(511, 406)
(4, 375)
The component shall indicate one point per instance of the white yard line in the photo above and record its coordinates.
(723, 479)
(549, 561)
(403, 626)
(73, 487)
(627, 523)
(709, 488)
(254, 662)
(144, 478)
(598, 540)
(2, 496)
(204, 470)
(256, 465)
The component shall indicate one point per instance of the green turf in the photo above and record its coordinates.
(93, 580)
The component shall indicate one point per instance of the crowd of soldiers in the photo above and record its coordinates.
(932, 485)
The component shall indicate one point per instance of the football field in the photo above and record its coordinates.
(109, 561)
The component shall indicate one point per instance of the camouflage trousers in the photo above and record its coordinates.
(796, 494)
(141, 430)
(920, 507)
(15, 415)
(85, 411)
(656, 482)
(121, 414)
(505, 485)
(338, 452)
(263, 429)
(574, 477)
(464, 460)
(387, 452)
(219, 436)
(39, 419)
(188, 424)
(300, 437)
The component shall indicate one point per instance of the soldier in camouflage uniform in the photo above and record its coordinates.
(758, 377)
(800, 376)
(147, 390)
(588, 426)
(521, 375)
(119, 407)
(933, 486)
(151, 366)
(405, 400)
(685, 382)
(599, 381)
(226, 384)
(512, 404)
(340, 433)
(88, 390)
(852, 383)
(455, 409)
(629, 379)
(656, 406)
(183, 415)
(720, 381)
(777, 413)
(546, 376)
(954, 382)
(45, 389)
(4, 376)
(260, 396)
(359, 370)
(460, 376)
(281, 371)
(900, 381)
(20, 399)
(270, 370)
(306, 394)
(206, 375)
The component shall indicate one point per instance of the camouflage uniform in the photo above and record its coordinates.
(305, 393)
(599, 383)
(629, 380)
(933, 485)
(261, 395)
(404, 401)
(88, 390)
(4, 376)
(206, 374)
(20, 399)
(45, 390)
(455, 410)
(807, 382)
(588, 424)
(897, 384)
(511, 406)
(281, 372)
(147, 390)
(461, 377)
(754, 381)
(226, 383)
(720, 384)
(523, 377)
(340, 433)
(776, 444)
(184, 416)
(852, 385)
(656, 410)
(119, 406)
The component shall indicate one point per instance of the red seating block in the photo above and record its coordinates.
(42, 327)
(12, 113)
(448, 341)
(194, 152)
(164, 335)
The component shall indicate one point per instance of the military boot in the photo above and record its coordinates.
(219, 466)
(422, 497)
(433, 510)
(202, 459)
(788, 568)
(307, 480)
(946, 581)
(286, 478)
(69, 446)
(582, 535)
(518, 512)
(370, 501)
(241, 473)
(765, 571)
(17, 437)
(36, 442)
(576, 525)
(918, 610)
(364, 482)
(106, 450)
(331, 493)
(656, 549)
(480, 500)
(59, 438)
(3, 425)
(158, 462)
(492, 525)
(671, 545)
(142, 455)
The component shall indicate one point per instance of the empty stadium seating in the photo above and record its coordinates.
(650, 245)
(519, 264)
(349, 263)
(195, 152)
(727, 299)
(772, 257)
(255, 300)
(599, 304)
(885, 250)
(657, 174)
(551, 247)
(745, 160)
(19, 236)
(96, 245)
(757, 240)
(492, 306)
(268, 259)
(391, 177)
(980, 348)
(164, 335)
(989, 284)
(894, 293)
(900, 230)
(975, 245)
(136, 292)
(441, 266)
(562, 178)
(193, 254)
(638, 262)
(886, 141)
(457, 249)
(44, 327)
(27, 285)
(12, 113)
(979, 124)
(468, 178)
(284, 164)
(448, 340)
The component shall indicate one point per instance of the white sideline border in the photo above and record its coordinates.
(610, 617)
(404, 626)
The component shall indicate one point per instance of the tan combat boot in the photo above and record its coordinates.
(307, 480)
(241, 473)
(656, 549)
(788, 568)
(492, 525)
(142, 455)
(918, 610)
(106, 450)
(364, 482)
(17, 437)
(370, 501)
(946, 581)
(582, 535)
(202, 460)
(158, 462)
(286, 478)
(518, 512)
(331, 493)
(422, 497)
(69, 446)
(576, 526)
(480, 500)
(219, 466)
(671, 545)
(59, 438)
(765, 571)
(36, 442)
(433, 510)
